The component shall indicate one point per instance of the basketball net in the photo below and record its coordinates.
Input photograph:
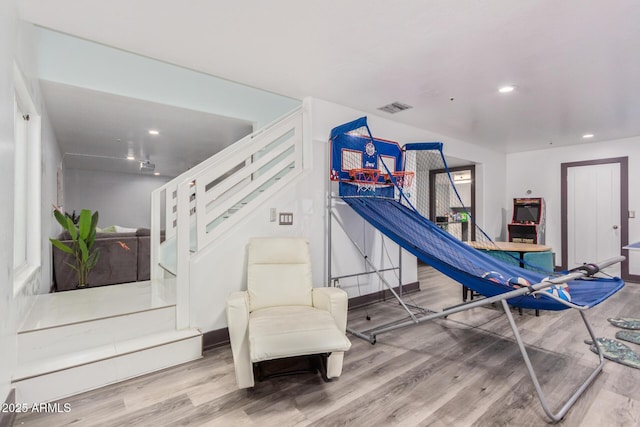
(365, 179)
(364, 186)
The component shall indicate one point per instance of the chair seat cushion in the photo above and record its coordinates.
(285, 331)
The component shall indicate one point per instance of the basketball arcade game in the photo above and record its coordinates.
(372, 178)
(363, 166)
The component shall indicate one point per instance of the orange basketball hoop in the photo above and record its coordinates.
(365, 179)
(401, 178)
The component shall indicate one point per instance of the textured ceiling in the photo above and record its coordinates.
(575, 64)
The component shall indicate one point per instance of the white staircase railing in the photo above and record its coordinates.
(193, 210)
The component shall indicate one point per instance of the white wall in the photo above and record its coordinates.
(220, 269)
(77, 62)
(121, 199)
(50, 157)
(8, 35)
(539, 171)
(16, 45)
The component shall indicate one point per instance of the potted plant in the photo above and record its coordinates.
(83, 236)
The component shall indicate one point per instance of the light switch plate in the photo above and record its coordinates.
(286, 218)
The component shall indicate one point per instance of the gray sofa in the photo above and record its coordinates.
(124, 258)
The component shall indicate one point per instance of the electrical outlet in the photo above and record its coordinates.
(286, 218)
(632, 214)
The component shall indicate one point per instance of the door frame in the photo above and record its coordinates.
(624, 209)
(432, 193)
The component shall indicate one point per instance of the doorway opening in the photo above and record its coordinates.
(576, 191)
(464, 179)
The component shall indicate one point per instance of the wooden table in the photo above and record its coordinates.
(521, 248)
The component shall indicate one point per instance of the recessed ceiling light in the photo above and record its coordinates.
(156, 173)
(506, 89)
(130, 158)
(587, 135)
(153, 132)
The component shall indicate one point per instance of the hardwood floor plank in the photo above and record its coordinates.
(169, 411)
(613, 409)
(465, 370)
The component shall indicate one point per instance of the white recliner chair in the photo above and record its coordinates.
(281, 314)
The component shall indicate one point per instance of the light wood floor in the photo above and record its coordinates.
(462, 371)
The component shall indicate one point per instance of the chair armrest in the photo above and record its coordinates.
(333, 300)
(238, 311)
(238, 324)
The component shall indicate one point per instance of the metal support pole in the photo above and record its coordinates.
(400, 269)
(555, 417)
(364, 273)
(329, 278)
(375, 269)
(391, 326)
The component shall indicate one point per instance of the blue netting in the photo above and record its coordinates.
(465, 264)
(402, 217)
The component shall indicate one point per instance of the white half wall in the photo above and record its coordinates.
(120, 199)
(70, 60)
(539, 171)
(220, 269)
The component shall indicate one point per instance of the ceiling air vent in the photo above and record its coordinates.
(395, 107)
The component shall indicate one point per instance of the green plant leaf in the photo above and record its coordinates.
(83, 238)
(94, 220)
(61, 218)
(58, 244)
(71, 228)
(91, 239)
(93, 259)
(83, 251)
(85, 223)
(72, 266)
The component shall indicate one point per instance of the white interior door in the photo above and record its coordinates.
(593, 214)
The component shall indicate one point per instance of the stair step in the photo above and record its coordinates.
(78, 340)
(59, 340)
(81, 305)
(64, 375)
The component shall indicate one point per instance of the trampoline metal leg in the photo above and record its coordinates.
(555, 417)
